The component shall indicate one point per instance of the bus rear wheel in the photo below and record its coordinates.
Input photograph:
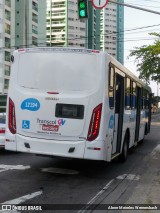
(123, 155)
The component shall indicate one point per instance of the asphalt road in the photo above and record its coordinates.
(43, 180)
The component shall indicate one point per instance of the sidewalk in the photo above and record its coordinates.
(148, 189)
(139, 185)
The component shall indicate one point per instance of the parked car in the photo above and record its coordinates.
(2, 129)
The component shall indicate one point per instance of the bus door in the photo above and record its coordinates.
(119, 111)
(138, 116)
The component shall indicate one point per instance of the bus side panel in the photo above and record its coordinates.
(143, 122)
(10, 143)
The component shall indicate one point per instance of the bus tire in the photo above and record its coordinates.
(123, 155)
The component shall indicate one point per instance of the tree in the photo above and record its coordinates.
(148, 60)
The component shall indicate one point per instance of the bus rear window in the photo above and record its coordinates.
(58, 71)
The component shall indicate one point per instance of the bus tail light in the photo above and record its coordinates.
(12, 117)
(95, 123)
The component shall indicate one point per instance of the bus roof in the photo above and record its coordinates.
(81, 50)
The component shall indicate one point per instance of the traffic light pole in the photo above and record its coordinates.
(134, 7)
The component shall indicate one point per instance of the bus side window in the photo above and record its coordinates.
(146, 100)
(134, 92)
(128, 94)
(111, 87)
(142, 99)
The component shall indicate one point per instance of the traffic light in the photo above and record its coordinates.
(83, 8)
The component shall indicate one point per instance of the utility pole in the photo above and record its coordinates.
(134, 7)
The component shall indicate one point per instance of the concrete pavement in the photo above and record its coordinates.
(148, 189)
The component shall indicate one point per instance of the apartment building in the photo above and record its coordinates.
(22, 24)
(108, 23)
(7, 43)
(93, 28)
(112, 30)
(63, 25)
(30, 23)
(99, 31)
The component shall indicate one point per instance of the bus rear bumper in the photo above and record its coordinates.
(71, 149)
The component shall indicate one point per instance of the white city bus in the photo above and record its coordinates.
(75, 103)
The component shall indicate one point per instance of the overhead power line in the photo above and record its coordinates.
(94, 36)
(109, 33)
(145, 1)
(134, 7)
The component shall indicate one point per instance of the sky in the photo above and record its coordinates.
(134, 18)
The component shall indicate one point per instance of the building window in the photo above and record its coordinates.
(6, 83)
(34, 18)
(7, 70)
(7, 56)
(7, 42)
(34, 29)
(34, 41)
(7, 15)
(8, 3)
(7, 28)
(71, 11)
(35, 6)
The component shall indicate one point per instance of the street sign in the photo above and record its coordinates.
(99, 4)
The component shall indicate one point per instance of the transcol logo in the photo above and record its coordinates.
(59, 122)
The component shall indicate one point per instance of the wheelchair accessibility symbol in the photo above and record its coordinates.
(25, 124)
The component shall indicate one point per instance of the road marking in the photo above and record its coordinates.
(20, 200)
(60, 171)
(23, 198)
(155, 151)
(95, 197)
(11, 167)
(128, 177)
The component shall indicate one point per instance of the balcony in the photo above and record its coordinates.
(58, 5)
(7, 17)
(7, 58)
(6, 86)
(8, 3)
(58, 15)
(7, 44)
(34, 43)
(56, 24)
(56, 31)
(35, 20)
(56, 44)
(35, 8)
(7, 72)
(34, 31)
(8, 31)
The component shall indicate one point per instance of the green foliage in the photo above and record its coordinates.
(148, 59)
